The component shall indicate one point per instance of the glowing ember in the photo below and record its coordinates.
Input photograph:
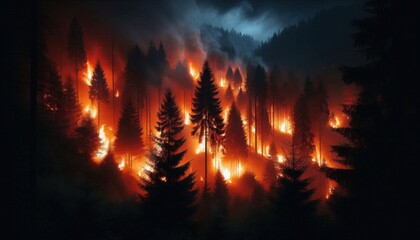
(121, 165)
(225, 115)
(226, 174)
(286, 126)
(187, 119)
(194, 73)
(335, 122)
(280, 158)
(330, 192)
(91, 111)
(117, 94)
(222, 82)
(104, 144)
(142, 172)
(88, 74)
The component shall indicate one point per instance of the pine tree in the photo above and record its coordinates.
(241, 100)
(76, 50)
(169, 195)
(128, 138)
(87, 138)
(270, 171)
(98, 90)
(134, 76)
(72, 111)
(379, 176)
(237, 79)
(302, 129)
(206, 113)
(220, 211)
(229, 75)
(235, 140)
(229, 95)
(293, 212)
(250, 90)
(262, 124)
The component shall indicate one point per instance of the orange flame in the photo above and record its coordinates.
(194, 73)
(187, 118)
(335, 122)
(286, 126)
(117, 94)
(104, 144)
(121, 166)
(88, 74)
(91, 111)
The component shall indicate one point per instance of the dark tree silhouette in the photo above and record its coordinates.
(229, 95)
(229, 75)
(98, 90)
(135, 78)
(379, 175)
(237, 79)
(291, 207)
(302, 134)
(76, 50)
(262, 124)
(87, 138)
(52, 92)
(206, 113)
(169, 194)
(274, 97)
(270, 171)
(235, 140)
(71, 108)
(129, 134)
(250, 90)
(241, 100)
(220, 197)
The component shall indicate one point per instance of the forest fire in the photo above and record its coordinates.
(104, 144)
(285, 126)
(88, 74)
(334, 122)
(121, 165)
(193, 72)
(91, 111)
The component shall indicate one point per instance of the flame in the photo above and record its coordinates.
(225, 115)
(335, 122)
(280, 158)
(330, 191)
(222, 82)
(104, 144)
(92, 111)
(187, 118)
(194, 73)
(286, 126)
(142, 172)
(121, 166)
(88, 74)
(117, 94)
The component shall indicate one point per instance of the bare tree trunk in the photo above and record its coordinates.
(256, 123)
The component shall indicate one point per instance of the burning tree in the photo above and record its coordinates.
(169, 195)
(87, 138)
(237, 79)
(98, 89)
(229, 75)
(71, 108)
(302, 129)
(206, 113)
(229, 95)
(235, 140)
(270, 171)
(128, 138)
(76, 50)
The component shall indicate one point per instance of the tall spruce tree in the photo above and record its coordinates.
(129, 134)
(229, 95)
(206, 113)
(302, 134)
(76, 50)
(379, 176)
(229, 75)
(270, 171)
(292, 210)
(71, 108)
(235, 140)
(220, 208)
(250, 90)
(169, 195)
(98, 90)
(237, 79)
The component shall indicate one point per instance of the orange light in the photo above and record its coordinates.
(335, 122)
(88, 74)
(194, 73)
(104, 144)
(117, 94)
(187, 118)
(121, 165)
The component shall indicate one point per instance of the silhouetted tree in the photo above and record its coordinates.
(250, 90)
(76, 50)
(270, 171)
(129, 134)
(169, 195)
(206, 113)
(302, 134)
(229, 75)
(241, 100)
(235, 140)
(229, 95)
(98, 90)
(86, 136)
(237, 79)
(262, 124)
(71, 108)
(292, 211)
(220, 197)
(379, 175)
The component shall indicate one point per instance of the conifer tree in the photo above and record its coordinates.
(270, 171)
(129, 134)
(229, 95)
(169, 195)
(235, 140)
(302, 134)
(206, 113)
(98, 90)
(72, 111)
(87, 138)
(76, 50)
(241, 100)
(220, 211)
(229, 75)
(237, 79)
